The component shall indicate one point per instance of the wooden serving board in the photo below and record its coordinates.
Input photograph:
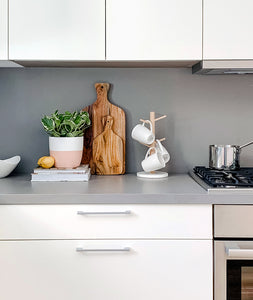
(104, 141)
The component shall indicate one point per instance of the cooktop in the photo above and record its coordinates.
(223, 180)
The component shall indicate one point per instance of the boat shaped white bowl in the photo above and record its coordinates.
(8, 165)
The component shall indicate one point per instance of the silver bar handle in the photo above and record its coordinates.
(86, 213)
(125, 249)
(240, 253)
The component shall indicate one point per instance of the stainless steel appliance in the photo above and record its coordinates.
(217, 181)
(217, 67)
(225, 157)
(233, 252)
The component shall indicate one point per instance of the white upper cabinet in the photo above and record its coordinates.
(153, 30)
(4, 62)
(228, 27)
(57, 30)
(3, 29)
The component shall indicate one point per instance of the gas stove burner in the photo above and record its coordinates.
(226, 179)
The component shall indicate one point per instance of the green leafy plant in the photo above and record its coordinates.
(67, 124)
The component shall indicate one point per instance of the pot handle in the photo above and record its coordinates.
(245, 145)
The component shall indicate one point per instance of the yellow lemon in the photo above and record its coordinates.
(46, 162)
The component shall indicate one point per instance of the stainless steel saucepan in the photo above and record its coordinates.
(225, 157)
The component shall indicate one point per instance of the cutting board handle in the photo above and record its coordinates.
(102, 89)
(103, 85)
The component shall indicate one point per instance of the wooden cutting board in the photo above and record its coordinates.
(104, 141)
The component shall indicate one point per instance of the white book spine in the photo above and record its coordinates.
(61, 177)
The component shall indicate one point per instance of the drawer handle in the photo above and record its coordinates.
(239, 253)
(125, 249)
(86, 213)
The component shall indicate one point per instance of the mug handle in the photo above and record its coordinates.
(159, 144)
(148, 152)
(150, 124)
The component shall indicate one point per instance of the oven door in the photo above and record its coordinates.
(233, 270)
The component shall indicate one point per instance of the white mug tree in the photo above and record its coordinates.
(157, 156)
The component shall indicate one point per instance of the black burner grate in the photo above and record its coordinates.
(216, 178)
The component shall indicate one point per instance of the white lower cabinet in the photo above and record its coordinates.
(121, 221)
(144, 270)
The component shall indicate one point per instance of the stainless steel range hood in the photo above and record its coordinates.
(223, 67)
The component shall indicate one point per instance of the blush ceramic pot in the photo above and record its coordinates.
(67, 151)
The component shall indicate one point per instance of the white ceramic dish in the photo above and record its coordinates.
(8, 165)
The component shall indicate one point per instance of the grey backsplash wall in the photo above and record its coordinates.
(201, 110)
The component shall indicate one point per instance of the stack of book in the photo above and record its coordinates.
(81, 173)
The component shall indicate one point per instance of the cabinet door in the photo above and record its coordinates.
(57, 30)
(228, 26)
(3, 29)
(154, 30)
(150, 270)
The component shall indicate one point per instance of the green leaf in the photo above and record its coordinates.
(79, 133)
(84, 113)
(63, 132)
(56, 120)
(70, 134)
(55, 134)
(84, 118)
(78, 120)
(48, 123)
(69, 124)
(75, 114)
(75, 134)
(61, 117)
(67, 117)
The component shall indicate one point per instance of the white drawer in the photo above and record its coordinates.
(105, 221)
(160, 269)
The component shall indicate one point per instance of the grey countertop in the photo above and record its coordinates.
(124, 189)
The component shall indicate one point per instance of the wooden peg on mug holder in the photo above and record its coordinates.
(144, 121)
(160, 118)
(161, 140)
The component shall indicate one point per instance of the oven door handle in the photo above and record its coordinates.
(239, 253)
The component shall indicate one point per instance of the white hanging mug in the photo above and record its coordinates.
(142, 134)
(165, 154)
(153, 162)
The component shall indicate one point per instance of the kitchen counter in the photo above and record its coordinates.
(124, 189)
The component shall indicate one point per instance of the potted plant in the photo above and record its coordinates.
(66, 137)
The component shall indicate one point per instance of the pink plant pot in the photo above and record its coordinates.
(67, 151)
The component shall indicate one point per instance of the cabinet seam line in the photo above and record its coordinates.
(8, 29)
